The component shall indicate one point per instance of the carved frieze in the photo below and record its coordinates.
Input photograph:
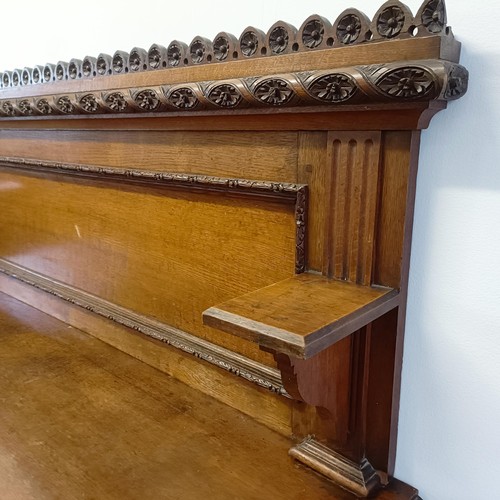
(382, 83)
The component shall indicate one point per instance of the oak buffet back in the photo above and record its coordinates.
(150, 198)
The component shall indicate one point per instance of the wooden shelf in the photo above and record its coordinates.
(303, 315)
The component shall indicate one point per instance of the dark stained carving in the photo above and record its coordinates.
(399, 81)
(225, 47)
(274, 91)
(252, 43)
(65, 105)
(348, 29)
(300, 237)
(458, 78)
(200, 50)
(116, 102)
(157, 57)
(62, 70)
(225, 95)
(25, 107)
(26, 76)
(434, 16)
(177, 54)
(408, 83)
(75, 69)
(138, 59)
(37, 74)
(104, 64)
(313, 33)
(120, 62)
(335, 87)
(8, 108)
(278, 39)
(43, 107)
(183, 98)
(390, 22)
(147, 100)
(89, 103)
(89, 68)
(6, 76)
(49, 73)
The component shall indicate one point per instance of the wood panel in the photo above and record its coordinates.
(257, 155)
(392, 212)
(355, 159)
(265, 407)
(313, 171)
(165, 255)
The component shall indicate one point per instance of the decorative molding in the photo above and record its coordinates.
(361, 479)
(393, 20)
(283, 191)
(230, 361)
(407, 81)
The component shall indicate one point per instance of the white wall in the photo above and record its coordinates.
(449, 434)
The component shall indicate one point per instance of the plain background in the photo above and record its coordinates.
(449, 433)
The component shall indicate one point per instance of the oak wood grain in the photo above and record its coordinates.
(163, 254)
(303, 315)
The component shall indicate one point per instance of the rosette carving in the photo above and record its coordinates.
(274, 91)
(89, 67)
(336, 87)
(278, 39)
(103, 64)
(225, 47)
(116, 102)
(176, 53)
(434, 16)
(75, 69)
(43, 107)
(137, 59)
(36, 75)
(249, 43)
(348, 29)
(119, 63)
(157, 56)
(26, 76)
(458, 78)
(6, 76)
(61, 71)
(390, 21)
(406, 83)
(65, 105)
(147, 100)
(8, 108)
(25, 107)
(48, 73)
(183, 98)
(313, 33)
(225, 96)
(89, 103)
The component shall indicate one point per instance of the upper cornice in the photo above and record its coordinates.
(395, 57)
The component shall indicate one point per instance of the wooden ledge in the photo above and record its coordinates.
(303, 315)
